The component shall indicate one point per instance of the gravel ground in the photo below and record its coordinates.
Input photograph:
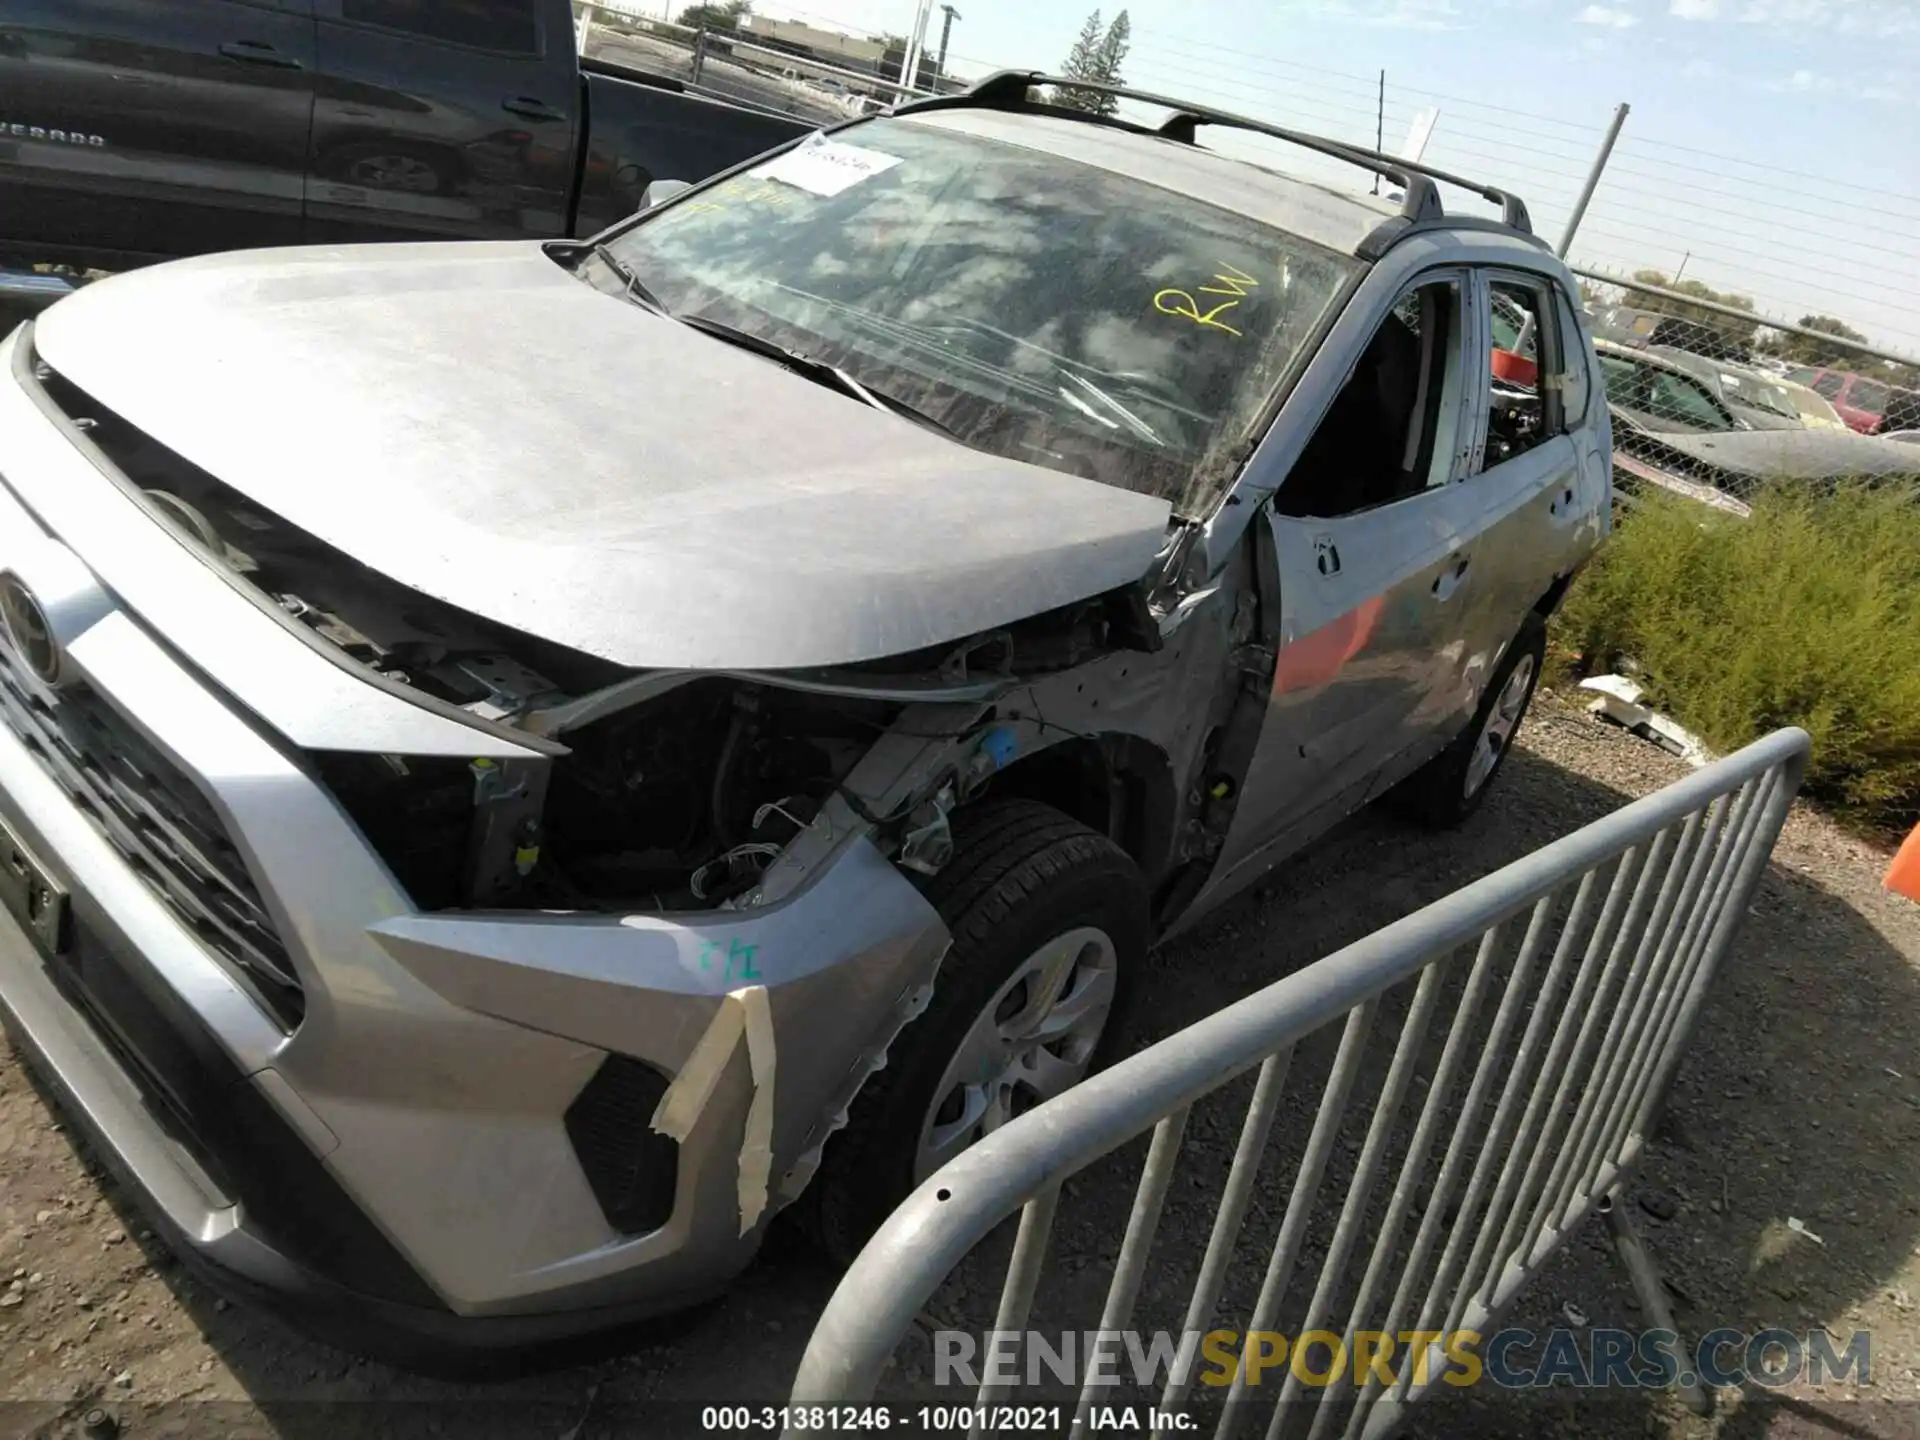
(1800, 1098)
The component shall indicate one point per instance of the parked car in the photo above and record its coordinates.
(1862, 401)
(136, 132)
(1813, 407)
(1671, 429)
(1665, 392)
(1755, 401)
(456, 693)
(1767, 402)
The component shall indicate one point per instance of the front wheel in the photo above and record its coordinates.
(1049, 923)
(1452, 785)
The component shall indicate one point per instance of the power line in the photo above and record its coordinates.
(1743, 180)
(1708, 258)
(1276, 101)
(1603, 257)
(1612, 196)
(1773, 207)
(1815, 243)
(1367, 82)
(1758, 165)
(1769, 200)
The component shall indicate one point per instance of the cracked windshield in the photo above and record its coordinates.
(1034, 306)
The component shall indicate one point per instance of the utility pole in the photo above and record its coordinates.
(910, 66)
(946, 32)
(1593, 179)
(1683, 268)
(1380, 127)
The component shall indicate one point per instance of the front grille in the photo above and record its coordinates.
(163, 827)
(633, 1169)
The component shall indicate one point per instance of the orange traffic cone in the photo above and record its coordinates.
(1903, 876)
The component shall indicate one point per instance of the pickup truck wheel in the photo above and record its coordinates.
(1452, 785)
(409, 169)
(1049, 922)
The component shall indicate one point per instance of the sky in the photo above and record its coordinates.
(1769, 146)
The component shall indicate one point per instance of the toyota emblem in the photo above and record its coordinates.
(27, 630)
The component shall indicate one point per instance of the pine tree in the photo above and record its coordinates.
(1083, 63)
(1113, 50)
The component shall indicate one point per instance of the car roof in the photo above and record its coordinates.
(1333, 218)
(1018, 110)
(1703, 367)
(1677, 362)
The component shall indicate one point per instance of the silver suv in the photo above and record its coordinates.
(521, 762)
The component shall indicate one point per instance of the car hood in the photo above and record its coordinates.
(479, 425)
(1778, 454)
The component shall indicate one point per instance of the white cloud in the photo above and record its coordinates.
(1694, 9)
(1879, 19)
(1785, 12)
(1803, 82)
(1606, 16)
(1417, 15)
(1699, 69)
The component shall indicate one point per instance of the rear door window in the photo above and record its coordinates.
(1572, 362)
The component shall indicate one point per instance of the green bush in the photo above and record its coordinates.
(1806, 614)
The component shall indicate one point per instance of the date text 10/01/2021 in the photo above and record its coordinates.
(931, 1420)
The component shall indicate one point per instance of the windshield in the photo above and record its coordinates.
(1814, 409)
(1661, 399)
(1760, 393)
(1036, 307)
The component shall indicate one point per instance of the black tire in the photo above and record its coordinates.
(1436, 795)
(347, 164)
(1021, 873)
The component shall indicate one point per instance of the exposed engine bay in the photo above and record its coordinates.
(668, 796)
(675, 802)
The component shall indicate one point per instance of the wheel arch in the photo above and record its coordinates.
(1118, 784)
(1549, 603)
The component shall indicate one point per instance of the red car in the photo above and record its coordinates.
(1862, 401)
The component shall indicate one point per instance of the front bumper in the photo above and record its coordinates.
(400, 1158)
(216, 1236)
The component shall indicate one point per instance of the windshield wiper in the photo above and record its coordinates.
(636, 287)
(822, 372)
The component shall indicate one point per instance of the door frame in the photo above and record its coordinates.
(1251, 848)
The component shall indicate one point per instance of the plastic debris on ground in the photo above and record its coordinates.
(1617, 698)
(1799, 1227)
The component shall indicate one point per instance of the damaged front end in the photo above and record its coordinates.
(661, 841)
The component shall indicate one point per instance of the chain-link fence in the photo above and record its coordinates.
(1716, 403)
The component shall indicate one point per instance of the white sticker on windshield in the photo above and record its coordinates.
(826, 167)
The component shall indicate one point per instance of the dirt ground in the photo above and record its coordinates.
(1800, 1099)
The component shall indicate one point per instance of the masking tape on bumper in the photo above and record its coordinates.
(742, 1012)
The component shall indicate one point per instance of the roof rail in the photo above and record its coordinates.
(1008, 90)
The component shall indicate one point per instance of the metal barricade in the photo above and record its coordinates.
(1632, 916)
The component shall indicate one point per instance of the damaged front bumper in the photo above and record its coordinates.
(443, 1145)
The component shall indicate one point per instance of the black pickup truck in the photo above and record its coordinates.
(137, 130)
